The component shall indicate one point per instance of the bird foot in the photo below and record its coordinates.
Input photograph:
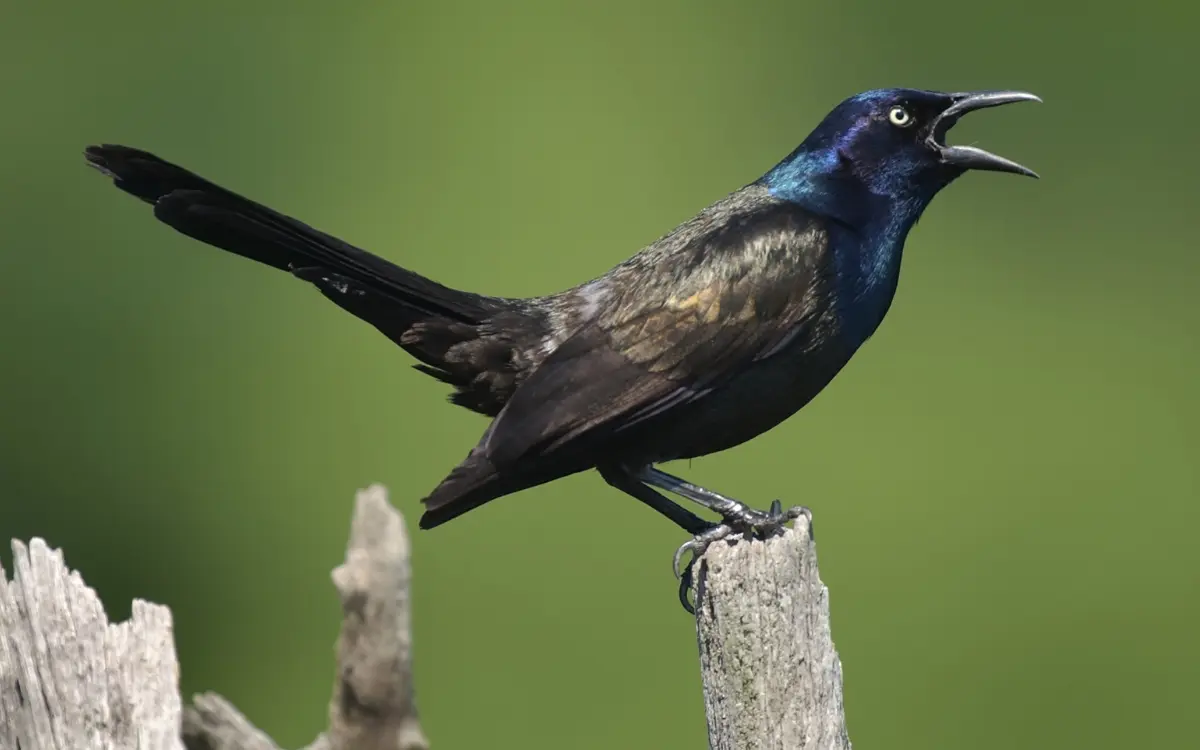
(697, 546)
(741, 519)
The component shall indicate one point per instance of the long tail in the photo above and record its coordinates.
(426, 318)
(448, 330)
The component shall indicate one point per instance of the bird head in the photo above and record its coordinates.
(889, 144)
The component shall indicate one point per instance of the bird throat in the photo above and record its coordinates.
(868, 230)
(874, 225)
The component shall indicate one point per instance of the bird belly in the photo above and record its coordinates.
(747, 406)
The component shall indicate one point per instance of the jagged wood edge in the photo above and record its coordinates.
(373, 704)
(69, 680)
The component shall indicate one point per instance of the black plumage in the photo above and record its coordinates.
(708, 337)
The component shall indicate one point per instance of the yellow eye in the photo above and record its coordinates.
(900, 117)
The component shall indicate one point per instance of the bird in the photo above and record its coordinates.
(706, 338)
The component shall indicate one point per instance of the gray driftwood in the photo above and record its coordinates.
(69, 680)
(772, 679)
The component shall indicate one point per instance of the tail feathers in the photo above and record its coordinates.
(396, 321)
(219, 217)
(477, 480)
(438, 325)
(472, 483)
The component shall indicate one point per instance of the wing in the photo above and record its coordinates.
(674, 324)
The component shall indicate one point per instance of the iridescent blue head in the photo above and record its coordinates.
(885, 150)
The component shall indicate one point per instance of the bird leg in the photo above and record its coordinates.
(736, 516)
(629, 483)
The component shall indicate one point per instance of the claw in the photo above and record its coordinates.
(802, 510)
(685, 586)
(754, 523)
(679, 553)
(697, 545)
(796, 511)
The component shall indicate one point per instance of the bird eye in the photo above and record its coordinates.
(900, 117)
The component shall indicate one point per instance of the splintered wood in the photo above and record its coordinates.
(70, 680)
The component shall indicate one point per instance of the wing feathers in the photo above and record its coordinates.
(655, 348)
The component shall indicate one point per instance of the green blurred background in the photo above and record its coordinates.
(1004, 480)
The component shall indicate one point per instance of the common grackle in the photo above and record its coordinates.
(708, 337)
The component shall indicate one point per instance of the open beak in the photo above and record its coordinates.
(969, 157)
